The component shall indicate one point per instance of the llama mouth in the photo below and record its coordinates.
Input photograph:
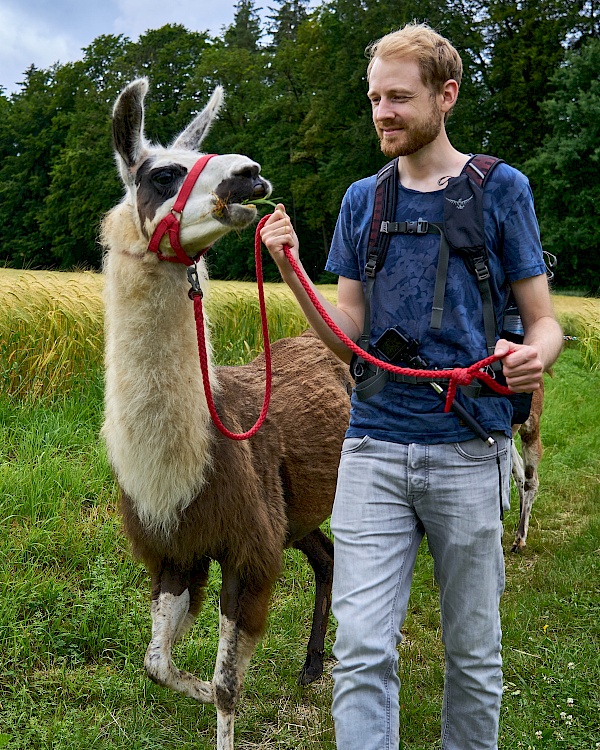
(233, 213)
(235, 200)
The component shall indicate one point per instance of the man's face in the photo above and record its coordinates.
(406, 114)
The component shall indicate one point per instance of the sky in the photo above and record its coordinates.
(43, 32)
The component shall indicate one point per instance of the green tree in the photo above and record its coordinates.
(286, 20)
(168, 57)
(245, 32)
(525, 44)
(564, 171)
(83, 185)
(35, 138)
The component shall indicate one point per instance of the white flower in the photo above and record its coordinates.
(571, 665)
(569, 701)
(538, 734)
(563, 715)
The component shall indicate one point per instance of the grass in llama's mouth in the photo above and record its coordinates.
(259, 202)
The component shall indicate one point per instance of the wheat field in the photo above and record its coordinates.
(51, 329)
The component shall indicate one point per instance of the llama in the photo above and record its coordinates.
(188, 495)
(524, 467)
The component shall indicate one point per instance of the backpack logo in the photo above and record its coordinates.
(460, 203)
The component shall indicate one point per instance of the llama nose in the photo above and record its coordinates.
(260, 188)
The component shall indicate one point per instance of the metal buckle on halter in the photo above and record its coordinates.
(193, 278)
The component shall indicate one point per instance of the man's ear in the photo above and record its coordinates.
(449, 95)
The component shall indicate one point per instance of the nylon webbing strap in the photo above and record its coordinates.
(439, 291)
(386, 195)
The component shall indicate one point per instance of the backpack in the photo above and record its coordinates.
(462, 231)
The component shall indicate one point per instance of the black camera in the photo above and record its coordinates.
(398, 348)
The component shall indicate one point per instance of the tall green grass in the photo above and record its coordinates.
(74, 621)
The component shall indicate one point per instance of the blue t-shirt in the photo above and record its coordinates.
(403, 296)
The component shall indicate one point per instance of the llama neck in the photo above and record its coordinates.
(157, 425)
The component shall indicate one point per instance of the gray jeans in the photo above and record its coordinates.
(388, 496)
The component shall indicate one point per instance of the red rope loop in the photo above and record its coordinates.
(456, 376)
(199, 316)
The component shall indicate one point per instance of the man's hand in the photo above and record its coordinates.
(277, 232)
(522, 367)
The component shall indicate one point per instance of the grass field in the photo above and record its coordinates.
(75, 621)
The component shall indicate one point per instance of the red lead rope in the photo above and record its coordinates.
(457, 376)
(196, 295)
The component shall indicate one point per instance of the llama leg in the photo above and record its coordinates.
(171, 617)
(518, 474)
(531, 447)
(526, 475)
(243, 612)
(319, 551)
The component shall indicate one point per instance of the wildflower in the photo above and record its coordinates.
(538, 734)
(569, 701)
(571, 665)
(563, 715)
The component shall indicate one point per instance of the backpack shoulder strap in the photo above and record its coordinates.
(384, 209)
(480, 167)
(464, 228)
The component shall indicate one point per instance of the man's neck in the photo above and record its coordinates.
(424, 169)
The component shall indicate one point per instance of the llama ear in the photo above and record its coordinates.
(128, 126)
(191, 138)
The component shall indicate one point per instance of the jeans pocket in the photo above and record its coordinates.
(476, 450)
(354, 444)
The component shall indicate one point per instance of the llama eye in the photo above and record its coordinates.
(164, 177)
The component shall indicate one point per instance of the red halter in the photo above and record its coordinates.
(171, 222)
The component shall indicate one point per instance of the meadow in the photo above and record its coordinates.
(74, 620)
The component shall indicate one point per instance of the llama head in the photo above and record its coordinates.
(153, 176)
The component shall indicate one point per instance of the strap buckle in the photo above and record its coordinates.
(481, 270)
(371, 265)
(420, 226)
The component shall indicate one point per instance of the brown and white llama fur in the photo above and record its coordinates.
(188, 494)
(525, 465)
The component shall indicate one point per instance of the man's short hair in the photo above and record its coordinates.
(438, 60)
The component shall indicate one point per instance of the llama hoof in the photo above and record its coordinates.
(518, 546)
(312, 669)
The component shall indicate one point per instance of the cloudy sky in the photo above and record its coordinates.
(42, 32)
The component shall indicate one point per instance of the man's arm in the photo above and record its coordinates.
(348, 314)
(525, 366)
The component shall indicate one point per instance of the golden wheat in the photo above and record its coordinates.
(50, 330)
(51, 326)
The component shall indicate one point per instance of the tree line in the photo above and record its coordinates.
(296, 103)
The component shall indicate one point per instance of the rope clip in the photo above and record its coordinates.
(192, 274)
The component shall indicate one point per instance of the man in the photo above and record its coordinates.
(407, 468)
